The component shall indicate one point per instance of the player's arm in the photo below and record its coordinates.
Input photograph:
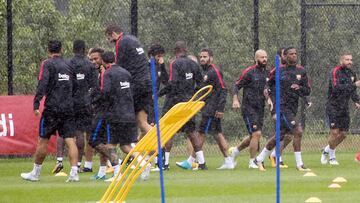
(243, 81)
(173, 78)
(164, 74)
(304, 88)
(43, 82)
(339, 87)
(222, 92)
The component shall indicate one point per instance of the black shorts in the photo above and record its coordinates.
(50, 123)
(338, 119)
(142, 99)
(98, 134)
(83, 121)
(121, 133)
(253, 120)
(210, 124)
(288, 121)
(189, 127)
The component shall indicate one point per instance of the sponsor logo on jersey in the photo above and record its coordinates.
(140, 50)
(124, 85)
(188, 76)
(63, 77)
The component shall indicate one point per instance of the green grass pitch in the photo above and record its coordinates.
(239, 185)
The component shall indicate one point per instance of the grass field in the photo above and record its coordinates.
(239, 185)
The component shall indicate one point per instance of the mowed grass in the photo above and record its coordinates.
(239, 185)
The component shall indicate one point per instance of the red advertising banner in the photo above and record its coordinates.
(19, 126)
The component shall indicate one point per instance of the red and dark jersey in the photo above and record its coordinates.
(131, 56)
(342, 88)
(217, 99)
(86, 81)
(185, 76)
(252, 80)
(289, 97)
(118, 98)
(55, 82)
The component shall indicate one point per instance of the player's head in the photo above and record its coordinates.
(157, 51)
(112, 32)
(95, 56)
(193, 58)
(280, 52)
(261, 58)
(180, 48)
(291, 55)
(206, 56)
(346, 60)
(54, 47)
(108, 57)
(79, 47)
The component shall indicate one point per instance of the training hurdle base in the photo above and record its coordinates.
(170, 123)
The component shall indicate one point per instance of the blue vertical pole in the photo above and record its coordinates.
(277, 108)
(156, 110)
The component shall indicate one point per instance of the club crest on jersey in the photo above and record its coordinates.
(298, 77)
(205, 78)
(80, 76)
(353, 79)
(188, 76)
(124, 85)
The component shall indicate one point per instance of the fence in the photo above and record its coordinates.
(232, 29)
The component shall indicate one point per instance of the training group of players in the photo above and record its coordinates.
(105, 98)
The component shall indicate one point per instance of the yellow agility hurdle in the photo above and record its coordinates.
(170, 123)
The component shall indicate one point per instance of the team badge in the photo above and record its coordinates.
(353, 79)
(205, 78)
(298, 77)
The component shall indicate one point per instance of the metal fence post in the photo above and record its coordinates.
(9, 46)
(134, 17)
(303, 55)
(256, 25)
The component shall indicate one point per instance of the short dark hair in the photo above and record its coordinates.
(112, 28)
(96, 50)
(279, 51)
(180, 46)
(54, 46)
(108, 57)
(155, 49)
(286, 50)
(79, 46)
(209, 51)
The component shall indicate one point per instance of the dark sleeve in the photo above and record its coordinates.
(173, 79)
(198, 77)
(243, 81)
(338, 87)
(354, 96)
(93, 79)
(121, 53)
(222, 92)
(305, 88)
(43, 82)
(164, 74)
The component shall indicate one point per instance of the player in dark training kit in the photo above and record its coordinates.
(56, 83)
(342, 87)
